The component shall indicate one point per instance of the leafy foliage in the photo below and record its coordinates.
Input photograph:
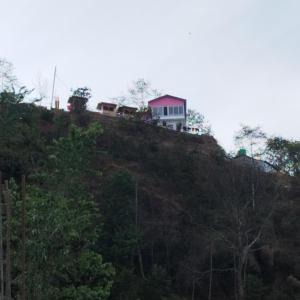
(64, 225)
(284, 155)
(186, 230)
(83, 92)
(71, 157)
(138, 94)
(63, 264)
(252, 139)
(119, 231)
(77, 102)
(20, 143)
(7, 78)
(195, 119)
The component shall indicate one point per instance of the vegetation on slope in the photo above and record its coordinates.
(118, 209)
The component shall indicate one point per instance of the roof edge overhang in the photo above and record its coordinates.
(170, 96)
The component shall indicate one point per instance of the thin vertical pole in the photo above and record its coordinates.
(53, 86)
(136, 228)
(23, 199)
(7, 198)
(1, 244)
(136, 206)
(211, 271)
(193, 289)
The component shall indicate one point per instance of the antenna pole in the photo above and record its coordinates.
(54, 76)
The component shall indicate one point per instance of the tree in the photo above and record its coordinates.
(19, 142)
(83, 92)
(284, 154)
(138, 94)
(64, 224)
(71, 159)
(196, 119)
(78, 100)
(41, 87)
(240, 227)
(13, 96)
(120, 236)
(62, 262)
(7, 78)
(252, 139)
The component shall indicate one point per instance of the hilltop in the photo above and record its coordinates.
(179, 220)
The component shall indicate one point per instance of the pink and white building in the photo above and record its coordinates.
(169, 111)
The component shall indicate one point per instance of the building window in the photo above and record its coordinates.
(160, 111)
(154, 111)
(165, 111)
(181, 110)
(168, 111)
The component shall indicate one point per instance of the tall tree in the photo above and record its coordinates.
(64, 225)
(284, 154)
(138, 94)
(78, 100)
(7, 77)
(252, 139)
(19, 131)
(241, 228)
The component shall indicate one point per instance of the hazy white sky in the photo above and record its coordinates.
(235, 61)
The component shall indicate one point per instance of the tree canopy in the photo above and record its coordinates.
(138, 94)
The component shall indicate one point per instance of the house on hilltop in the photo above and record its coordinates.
(108, 109)
(169, 111)
(113, 110)
(126, 111)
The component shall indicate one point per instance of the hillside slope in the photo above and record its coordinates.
(180, 220)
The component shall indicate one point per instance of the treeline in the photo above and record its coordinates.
(124, 210)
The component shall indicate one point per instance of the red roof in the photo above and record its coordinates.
(169, 96)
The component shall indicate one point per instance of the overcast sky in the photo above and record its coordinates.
(235, 61)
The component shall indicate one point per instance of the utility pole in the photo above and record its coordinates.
(53, 87)
(23, 199)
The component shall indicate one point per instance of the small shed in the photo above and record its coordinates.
(77, 103)
(108, 109)
(126, 111)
